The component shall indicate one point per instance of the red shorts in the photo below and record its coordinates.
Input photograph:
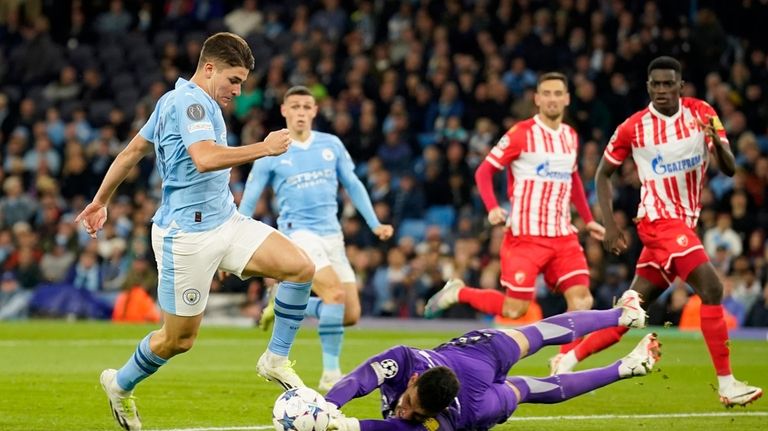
(561, 259)
(670, 249)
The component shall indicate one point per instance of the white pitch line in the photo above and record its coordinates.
(653, 416)
(525, 419)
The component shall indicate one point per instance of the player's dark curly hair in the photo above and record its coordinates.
(665, 62)
(227, 48)
(436, 388)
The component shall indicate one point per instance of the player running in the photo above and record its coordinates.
(543, 180)
(197, 229)
(670, 142)
(306, 181)
(463, 384)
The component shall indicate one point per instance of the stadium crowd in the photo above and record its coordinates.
(419, 91)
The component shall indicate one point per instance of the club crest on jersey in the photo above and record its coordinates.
(503, 142)
(519, 277)
(328, 155)
(660, 167)
(191, 296)
(682, 240)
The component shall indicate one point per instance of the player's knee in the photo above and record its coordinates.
(302, 271)
(515, 309)
(581, 302)
(712, 293)
(351, 315)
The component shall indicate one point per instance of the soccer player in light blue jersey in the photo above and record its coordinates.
(197, 229)
(306, 182)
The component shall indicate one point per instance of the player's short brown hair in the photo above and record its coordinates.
(297, 90)
(552, 76)
(227, 48)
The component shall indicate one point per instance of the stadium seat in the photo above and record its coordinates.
(98, 112)
(413, 228)
(121, 82)
(82, 57)
(443, 216)
(126, 99)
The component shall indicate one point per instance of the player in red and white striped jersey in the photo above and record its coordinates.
(542, 182)
(670, 142)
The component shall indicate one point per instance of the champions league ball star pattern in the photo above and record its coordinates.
(300, 409)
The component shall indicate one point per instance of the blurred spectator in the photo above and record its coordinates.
(14, 301)
(722, 236)
(15, 206)
(86, 273)
(246, 19)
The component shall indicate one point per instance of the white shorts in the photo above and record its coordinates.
(187, 261)
(326, 251)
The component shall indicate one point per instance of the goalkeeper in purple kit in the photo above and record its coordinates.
(463, 384)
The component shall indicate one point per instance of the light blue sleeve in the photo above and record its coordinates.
(345, 169)
(261, 174)
(195, 118)
(148, 130)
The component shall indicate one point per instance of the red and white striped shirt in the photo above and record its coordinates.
(671, 154)
(542, 162)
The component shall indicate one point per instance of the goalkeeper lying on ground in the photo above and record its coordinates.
(463, 384)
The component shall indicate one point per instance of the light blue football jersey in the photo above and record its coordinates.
(195, 201)
(306, 181)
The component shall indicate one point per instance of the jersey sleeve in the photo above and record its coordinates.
(620, 145)
(261, 174)
(148, 130)
(345, 169)
(508, 148)
(707, 112)
(195, 119)
(388, 366)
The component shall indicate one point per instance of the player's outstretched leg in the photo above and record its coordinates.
(561, 387)
(564, 328)
(290, 303)
(597, 341)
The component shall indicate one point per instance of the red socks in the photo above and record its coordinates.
(716, 336)
(598, 341)
(565, 348)
(488, 301)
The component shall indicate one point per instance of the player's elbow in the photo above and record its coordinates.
(203, 164)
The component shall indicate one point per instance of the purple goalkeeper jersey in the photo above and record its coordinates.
(481, 361)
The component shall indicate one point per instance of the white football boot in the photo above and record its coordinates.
(739, 394)
(278, 369)
(328, 379)
(122, 404)
(443, 299)
(632, 314)
(641, 359)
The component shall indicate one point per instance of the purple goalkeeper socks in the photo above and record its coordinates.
(564, 328)
(561, 387)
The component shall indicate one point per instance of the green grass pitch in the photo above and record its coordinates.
(49, 381)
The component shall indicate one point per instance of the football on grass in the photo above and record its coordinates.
(300, 409)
